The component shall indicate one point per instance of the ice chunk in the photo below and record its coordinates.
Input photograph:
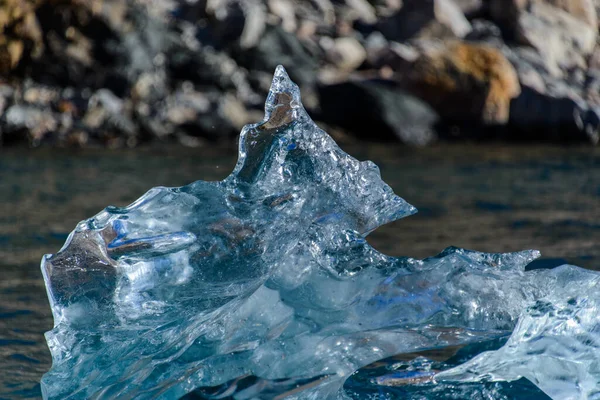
(263, 284)
(556, 343)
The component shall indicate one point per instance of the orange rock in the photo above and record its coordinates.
(465, 81)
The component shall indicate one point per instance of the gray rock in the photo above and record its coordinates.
(530, 67)
(209, 66)
(594, 60)
(589, 123)
(377, 110)
(399, 57)
(255, 24)
(118, 72)
(280, 47)
(150, 87)
(346, 53)
(107, 115)
(485, 31)
(583, 10)
(553, 118)
(549, 108)
(193, 115)
(362, 10)
(592, 88)
(425, 18)
(36, 122)
(375, 46)
(563, 32)
(284, 10)
(471, 7)
(6, 97)
(225, 18)
(40, 95)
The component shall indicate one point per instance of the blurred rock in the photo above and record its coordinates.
(485, 31)
(6, 97)
(284, 10)
(209, 67)
(564, 32)
(530, 67)
(550, 108)
(107, 113)
(362, 10)
(400, 57)
(425, 19)
(465, 82)
(35, 122)
(553, 117)
(346, 53)
(120, 73)
(375, 46)
(583, 10)
(239, 21)
(592, 88)
(280, 47)
(40, 95)
(20, 35)
(378, 110)
(471, 7)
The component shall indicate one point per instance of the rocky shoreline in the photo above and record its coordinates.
(122, 73)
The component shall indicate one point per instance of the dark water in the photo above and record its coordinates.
(493, 199)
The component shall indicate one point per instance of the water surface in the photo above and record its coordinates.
(487, 198)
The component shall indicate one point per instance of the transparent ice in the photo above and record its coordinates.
(263, 285)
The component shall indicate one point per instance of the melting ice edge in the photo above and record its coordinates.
(262, 285)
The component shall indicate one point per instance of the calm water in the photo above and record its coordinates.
(488, 198)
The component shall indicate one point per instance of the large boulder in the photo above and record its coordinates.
(378, 110)
(425, 19)
(280, 47)
(563, 32)
(550, 108)
(553, 117)
(465, 82)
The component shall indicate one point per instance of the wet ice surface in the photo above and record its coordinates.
(263, 284)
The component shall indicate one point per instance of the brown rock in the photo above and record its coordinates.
(465, 82)
(19, 30)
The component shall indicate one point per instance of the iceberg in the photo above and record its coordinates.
(263, 286)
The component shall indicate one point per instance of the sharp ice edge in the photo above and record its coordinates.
(555, 345)
(266, 276)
